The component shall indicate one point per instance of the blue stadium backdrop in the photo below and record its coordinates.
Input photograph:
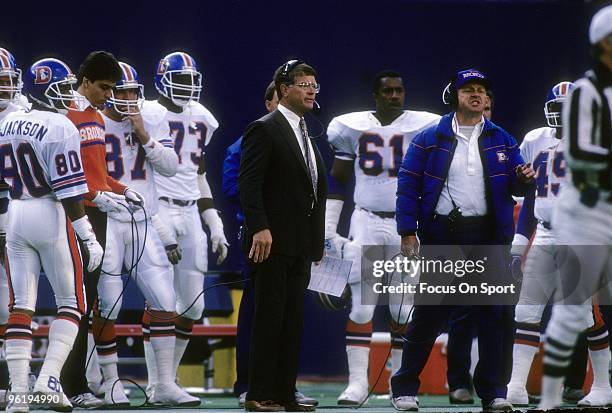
(524, 46)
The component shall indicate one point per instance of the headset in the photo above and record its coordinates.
(449, 94)
(283, 76)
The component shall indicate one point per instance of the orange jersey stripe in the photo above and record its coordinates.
(93, 153)
(77, 264)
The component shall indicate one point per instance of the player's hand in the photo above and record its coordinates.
(138, 128)
(134, 198)
(334, 245)
(410, 246)
(108, 202)
(525, 173)
(219, 246)
(515, 267)
(262, 244)
(173, 251)
(95, 252)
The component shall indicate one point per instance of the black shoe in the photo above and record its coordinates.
(262, 406)
(572, 396)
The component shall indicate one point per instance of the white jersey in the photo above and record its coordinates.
(135, 166)
(10, 108)
(543, 150)
(41, 156)
(190, 130)
(377, 150)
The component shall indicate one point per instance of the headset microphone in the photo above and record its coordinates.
(316, 108)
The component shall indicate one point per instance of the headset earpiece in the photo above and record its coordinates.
(287, 68)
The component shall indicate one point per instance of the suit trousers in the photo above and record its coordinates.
(73, 373)
(279, 287)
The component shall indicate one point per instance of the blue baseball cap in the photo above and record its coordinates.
(471, 75)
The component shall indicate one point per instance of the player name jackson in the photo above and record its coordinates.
(425, 288)
(25, 128)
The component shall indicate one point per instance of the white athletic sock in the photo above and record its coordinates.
(522, 357)
(163, 348)
(151, 363)
(18, 356)
(358, 360)
(474, 356)
(108, 364)
(61, 339)
(183, 328)
(552, 392)
(179, 350)
(93, 373)
(600, 361)
(396, 360)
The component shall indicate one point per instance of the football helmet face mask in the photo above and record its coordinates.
(554, 103)
(51, 84)
(11, 82)
(127, 105)
(178, 78)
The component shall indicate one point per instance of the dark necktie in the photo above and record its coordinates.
(309, 162)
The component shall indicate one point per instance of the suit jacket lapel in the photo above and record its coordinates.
(289, 137)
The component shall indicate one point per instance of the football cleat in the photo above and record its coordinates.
(114, 395)
(170, 394)
(354, 395)
(50, 386)
(597, 397)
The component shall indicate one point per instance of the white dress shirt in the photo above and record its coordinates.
(294, 122)
(465, 182)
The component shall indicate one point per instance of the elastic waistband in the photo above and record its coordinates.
(176, 201)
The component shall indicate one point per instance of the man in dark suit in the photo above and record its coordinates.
(283, 189)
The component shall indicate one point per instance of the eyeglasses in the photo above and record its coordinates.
(306, 85)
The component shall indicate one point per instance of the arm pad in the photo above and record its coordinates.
(213, 221)
(333, 209)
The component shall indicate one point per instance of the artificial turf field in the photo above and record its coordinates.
(326, 393)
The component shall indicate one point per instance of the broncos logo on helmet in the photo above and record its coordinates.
(51, 84)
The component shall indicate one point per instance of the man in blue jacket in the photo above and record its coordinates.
(455, 187)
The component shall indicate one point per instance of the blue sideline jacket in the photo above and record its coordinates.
(425, 169)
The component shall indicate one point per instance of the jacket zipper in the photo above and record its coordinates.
(448, 164)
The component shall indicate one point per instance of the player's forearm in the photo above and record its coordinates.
(527, 221)
(337, 188)
(163, 160)
(115, 186)
(74, 207)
